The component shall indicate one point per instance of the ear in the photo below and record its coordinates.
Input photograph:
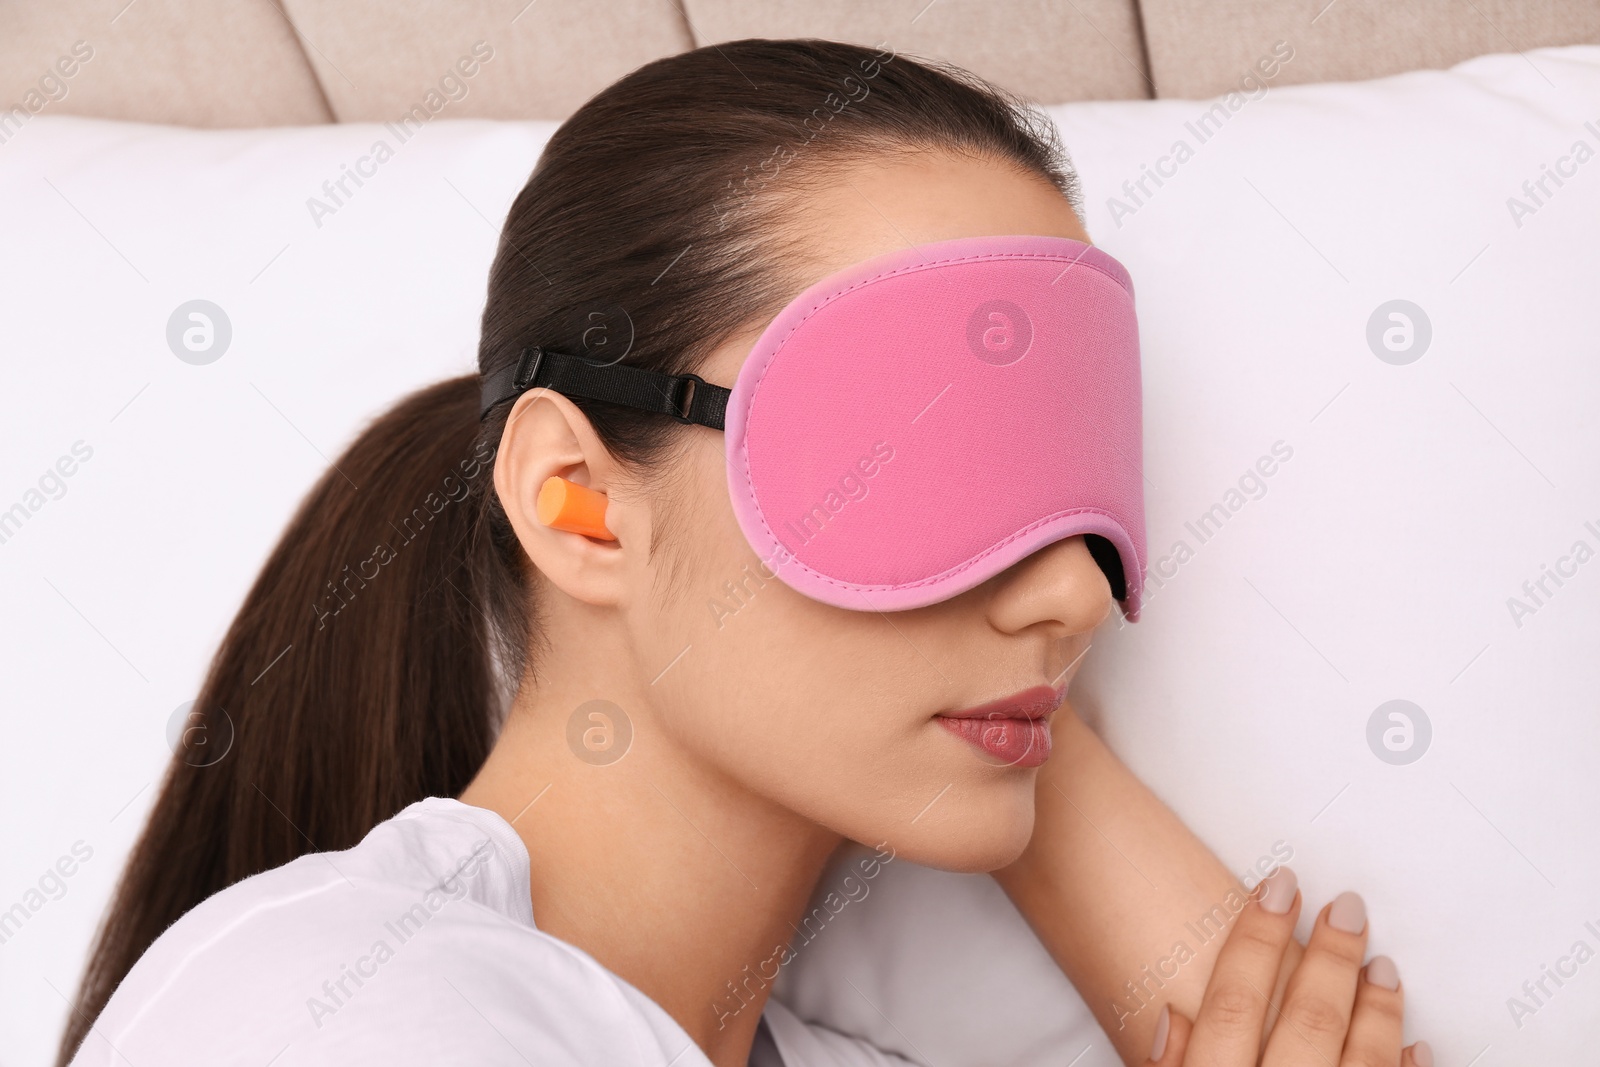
(546, 434)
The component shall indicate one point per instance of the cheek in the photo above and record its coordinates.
(826, 712)
(791, 697)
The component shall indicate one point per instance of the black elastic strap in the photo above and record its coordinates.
(685, 397)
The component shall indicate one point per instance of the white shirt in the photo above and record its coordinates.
(417, 946)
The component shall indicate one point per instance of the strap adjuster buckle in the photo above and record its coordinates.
(684, 389)
(527, 367)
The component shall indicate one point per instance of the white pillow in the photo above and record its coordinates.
(1419, 499)
(1382, 559)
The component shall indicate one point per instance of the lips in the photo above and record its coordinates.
(1014, 730)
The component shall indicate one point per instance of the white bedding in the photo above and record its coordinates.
(1409, 500)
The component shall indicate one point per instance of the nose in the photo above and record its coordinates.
(1059, 587)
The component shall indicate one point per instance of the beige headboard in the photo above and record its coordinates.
(264, 63)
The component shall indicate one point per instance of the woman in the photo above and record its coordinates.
(500, 785)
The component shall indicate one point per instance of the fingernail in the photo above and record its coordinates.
(1349, 913)
(1163, 1024)
(1381, 971)
(1422, 1054)
(1281, 887)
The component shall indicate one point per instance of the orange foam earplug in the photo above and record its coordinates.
(566, 505)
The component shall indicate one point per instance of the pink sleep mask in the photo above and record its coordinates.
(914, 424)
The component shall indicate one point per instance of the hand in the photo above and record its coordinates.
(1336, 1013)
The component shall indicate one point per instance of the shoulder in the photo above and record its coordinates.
(415, 946)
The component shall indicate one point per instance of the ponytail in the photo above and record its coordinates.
(357, 678)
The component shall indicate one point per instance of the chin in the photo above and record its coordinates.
(981, 834)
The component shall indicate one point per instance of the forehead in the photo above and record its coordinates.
(868, 207)
(880, 205)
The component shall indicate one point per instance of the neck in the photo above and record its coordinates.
(674, 877)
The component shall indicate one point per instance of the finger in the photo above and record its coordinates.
(1171, 1039)
(1322, 990)
(1228, 1027)
(1375, 1028)
(1418, 1055)
(1291, 960)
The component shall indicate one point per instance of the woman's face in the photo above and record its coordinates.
(836, 714)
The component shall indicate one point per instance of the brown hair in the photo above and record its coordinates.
(372, 659)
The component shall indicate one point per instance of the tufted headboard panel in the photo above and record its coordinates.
(241, 63)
